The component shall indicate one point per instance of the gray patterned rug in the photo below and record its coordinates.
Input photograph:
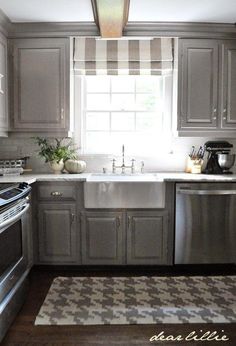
(139, 300)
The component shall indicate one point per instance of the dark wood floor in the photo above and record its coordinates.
(24, 333)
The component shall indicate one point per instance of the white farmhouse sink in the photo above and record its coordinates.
(124, 191)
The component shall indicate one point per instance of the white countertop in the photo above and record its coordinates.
(163, 176)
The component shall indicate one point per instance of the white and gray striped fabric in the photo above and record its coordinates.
(126, 57)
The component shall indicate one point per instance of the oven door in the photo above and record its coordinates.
(13, 249)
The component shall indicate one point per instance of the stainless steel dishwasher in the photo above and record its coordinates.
(205, 223)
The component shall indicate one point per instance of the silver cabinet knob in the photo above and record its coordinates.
(56, 194)
(214, 110)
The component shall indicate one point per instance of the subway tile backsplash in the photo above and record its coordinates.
(157, 160)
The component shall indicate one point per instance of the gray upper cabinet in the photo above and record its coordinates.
(3, 87)
(102, 238)
(228, 104)
(41, 85)
(206, 84)
(57, 233)
(147, 234)
(198, 84)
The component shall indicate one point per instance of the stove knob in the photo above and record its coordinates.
(23, 186)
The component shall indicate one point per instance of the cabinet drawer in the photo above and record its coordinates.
(56, 192)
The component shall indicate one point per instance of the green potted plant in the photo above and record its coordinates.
(56, 151)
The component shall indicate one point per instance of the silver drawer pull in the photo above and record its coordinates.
(56, 194)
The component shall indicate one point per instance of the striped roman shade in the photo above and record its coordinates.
(128, 57)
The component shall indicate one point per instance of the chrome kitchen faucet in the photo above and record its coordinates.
(123, 165)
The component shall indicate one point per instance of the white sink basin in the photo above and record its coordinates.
(101, 177)
(124, 192)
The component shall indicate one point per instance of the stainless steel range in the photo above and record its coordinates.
(14, 261)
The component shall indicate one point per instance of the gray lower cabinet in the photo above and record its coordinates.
(147, 233)
(3, 87)
(40, 77)
(102, 238)
(58, 233)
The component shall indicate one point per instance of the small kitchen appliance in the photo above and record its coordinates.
(219, 160)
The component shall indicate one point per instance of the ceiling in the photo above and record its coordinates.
(212, 11)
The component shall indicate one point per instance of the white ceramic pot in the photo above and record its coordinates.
(75, 166)
(57, 167)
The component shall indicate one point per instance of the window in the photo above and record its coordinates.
(130, 110)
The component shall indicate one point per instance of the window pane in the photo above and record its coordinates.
(123, 101)
(98, 101)
(123, 84)
(144, 84)
(97, 142)
(98, 83)
(97, 121)
(125, 110)
(146, 102)
(148, 122)
(122, 121)
(120, 138)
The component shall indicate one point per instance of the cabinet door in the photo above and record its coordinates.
(198, 84)
(147, 237)
(57, 233)
(228, 85)
(102, 238)
(3, 86)
(41, 84)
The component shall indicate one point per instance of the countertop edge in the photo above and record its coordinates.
(83, 177)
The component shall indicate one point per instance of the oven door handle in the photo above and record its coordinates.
(15, 218)
(206, 192)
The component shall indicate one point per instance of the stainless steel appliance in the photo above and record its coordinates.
(219, 159)
(226, 161)
(14, 262)
(205, 223)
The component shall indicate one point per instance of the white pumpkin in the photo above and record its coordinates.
(75, 166)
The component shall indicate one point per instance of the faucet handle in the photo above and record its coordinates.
(133, 165)
(142, 166)
(113, 165)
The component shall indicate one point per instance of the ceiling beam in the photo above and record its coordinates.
(110, 16)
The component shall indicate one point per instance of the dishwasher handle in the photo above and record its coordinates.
(185, 191)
